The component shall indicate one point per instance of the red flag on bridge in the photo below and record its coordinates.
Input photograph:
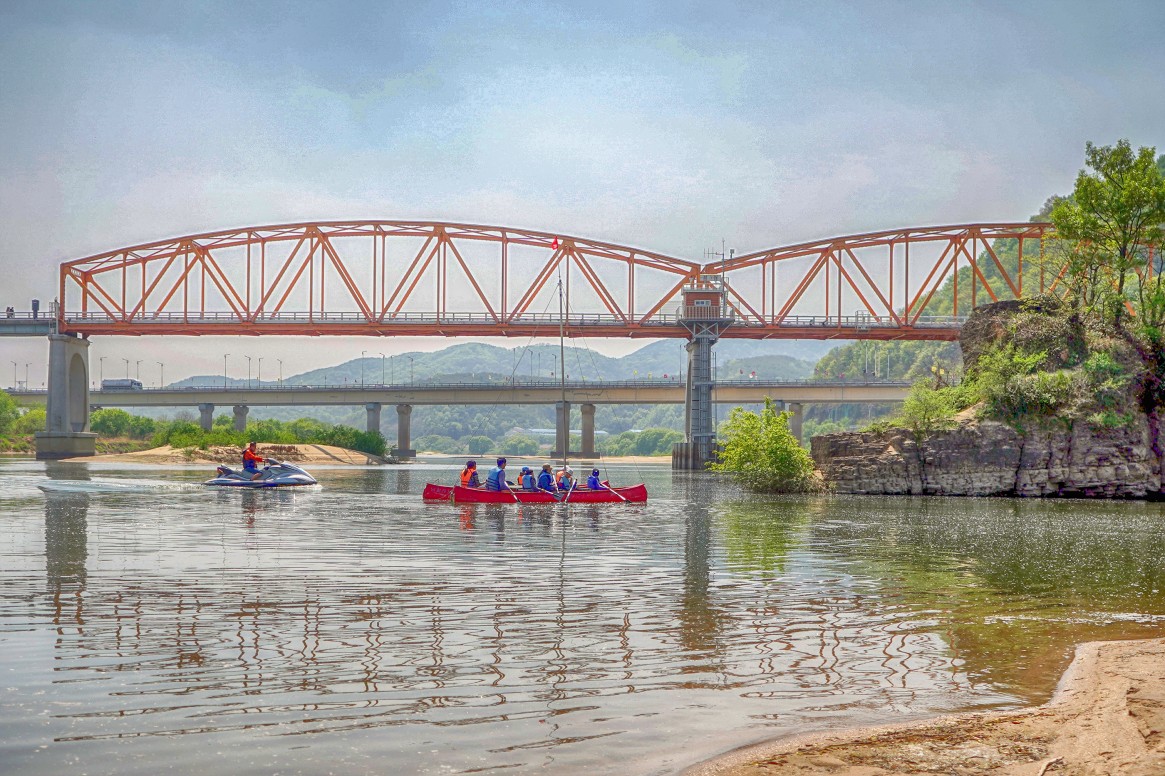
(554, 245)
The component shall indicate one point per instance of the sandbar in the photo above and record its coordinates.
(1106, 717)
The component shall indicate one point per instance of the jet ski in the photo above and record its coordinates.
(278, 474)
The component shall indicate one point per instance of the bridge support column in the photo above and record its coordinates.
(699, 418)
(373, 410)
(561, 429)
(241, 417)
(588, 431)
(206, 416)
(404, 439)
(66, 433)
(797, 420)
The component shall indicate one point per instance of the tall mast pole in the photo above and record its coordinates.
(562, 374)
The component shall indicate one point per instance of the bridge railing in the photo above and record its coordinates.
(859, 322)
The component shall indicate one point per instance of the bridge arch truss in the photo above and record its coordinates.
(446, 279)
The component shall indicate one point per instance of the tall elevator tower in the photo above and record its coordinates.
(705, 314)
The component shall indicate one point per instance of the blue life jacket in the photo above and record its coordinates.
(546, 481)
(594, 484)
(496, 478)
(527, 481)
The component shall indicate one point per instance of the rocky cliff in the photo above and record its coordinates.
(987, 458)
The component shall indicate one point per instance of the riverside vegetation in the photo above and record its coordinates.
(1059, 395)
(118, 431)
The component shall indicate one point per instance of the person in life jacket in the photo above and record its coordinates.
(546, 479)
(564, 478)
(497, 477)
(469, 475)
(593, 481)
(251, 461)
(526, 479)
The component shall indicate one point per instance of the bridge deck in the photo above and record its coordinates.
(623, 392)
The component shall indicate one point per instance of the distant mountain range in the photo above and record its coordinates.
(473, 362)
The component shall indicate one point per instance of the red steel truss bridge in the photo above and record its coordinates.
(405, 278)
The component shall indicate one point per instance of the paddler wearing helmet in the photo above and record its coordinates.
(593, 482)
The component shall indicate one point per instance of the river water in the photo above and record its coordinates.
(149, 624)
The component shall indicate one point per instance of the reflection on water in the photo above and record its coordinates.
(351, 627)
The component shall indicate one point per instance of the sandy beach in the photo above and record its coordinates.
(1107, 717)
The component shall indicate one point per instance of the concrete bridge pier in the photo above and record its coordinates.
(699, 442)
(588, 431)
(66, 433)
(404, 438)
(373, 410)
(241, 417)
(797, 420)
(206, 416)
(561, 429)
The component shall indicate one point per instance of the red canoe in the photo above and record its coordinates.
(459, 495)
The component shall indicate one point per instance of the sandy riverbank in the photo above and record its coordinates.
(1107, 717)
(232, 456)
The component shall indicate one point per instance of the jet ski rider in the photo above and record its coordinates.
(251, 460)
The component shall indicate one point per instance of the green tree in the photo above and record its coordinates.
(928, 409)
(1115, 213)
(31, 421)
(437, 443)
(478, 444)
(762, 454)
(9, 412)
(141, 427)
(110, 422)
(519, 444)
(656, 441)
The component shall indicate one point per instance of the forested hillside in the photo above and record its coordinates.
(451, 428)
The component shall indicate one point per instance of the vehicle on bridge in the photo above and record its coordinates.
(279, 474)
(121, 384)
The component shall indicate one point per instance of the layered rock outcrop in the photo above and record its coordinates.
(987, 458)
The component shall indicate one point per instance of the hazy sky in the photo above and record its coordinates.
(662, 125)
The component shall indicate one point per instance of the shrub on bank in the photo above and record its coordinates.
(761, 453)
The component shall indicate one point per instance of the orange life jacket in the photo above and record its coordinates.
(466, 476)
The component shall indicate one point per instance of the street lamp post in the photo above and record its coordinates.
(280, 360)
(126, 360)
(412, 377)
(224, 369)
(101, 368)
(248, 370)
(14, 375)
(138, 369)
(382, 369)
(362, 352)
(161, 374)
(26, 385)
(259, 376)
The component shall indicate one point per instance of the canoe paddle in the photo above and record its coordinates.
(617, 493)
(552, 494)
(566, 498)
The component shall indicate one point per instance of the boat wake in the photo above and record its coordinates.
(112, 486)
